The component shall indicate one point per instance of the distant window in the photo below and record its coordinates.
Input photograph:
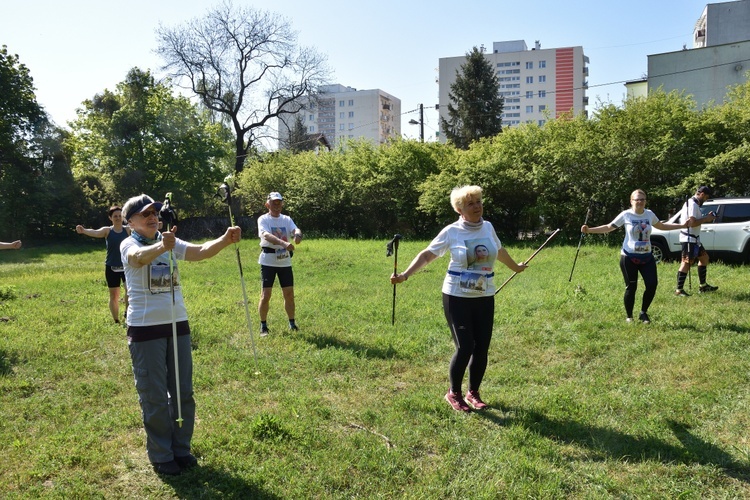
(529, 94)
(341, 127)
(541, 122)
(542, 78)
(341, 104)
(542, 93)
(351, 102)
(529, 65)
(341, 114)
(351, 126)
(311, 128)
(312, 118)
(529, 109)
(351, 114)
(529, 79)
(542, 107)
(542, 64)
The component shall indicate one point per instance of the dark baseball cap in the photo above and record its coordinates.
(138, 204)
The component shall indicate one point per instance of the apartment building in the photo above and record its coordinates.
(722, 23)
(339, 113)
(720, 57)
(537, 84)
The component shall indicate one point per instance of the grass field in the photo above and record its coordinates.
(583, 405)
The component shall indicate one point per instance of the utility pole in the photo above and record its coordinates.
(421, 123)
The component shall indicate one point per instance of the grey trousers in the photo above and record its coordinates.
(153, 368)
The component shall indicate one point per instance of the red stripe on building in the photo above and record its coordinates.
(564, 79)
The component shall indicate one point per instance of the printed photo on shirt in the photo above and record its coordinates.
(280, 233)
(159, 279)
(641, 234)
(479, 254)
(473, 282)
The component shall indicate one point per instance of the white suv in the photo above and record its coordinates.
(726, 237)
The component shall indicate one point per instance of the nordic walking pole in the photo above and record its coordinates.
(392, 249)
(225, 193)
(169, 217)
(529, 259)
(580, 240)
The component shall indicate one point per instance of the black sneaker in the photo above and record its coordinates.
(167, 468)
(264, 331)
(186, 462)
(681, 293)
(707, 288)
(643, 318)
(293, 327)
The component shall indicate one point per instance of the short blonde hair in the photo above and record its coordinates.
(638, 191)
(460, 195)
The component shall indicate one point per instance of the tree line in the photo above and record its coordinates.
(143, 136)
(534, 177)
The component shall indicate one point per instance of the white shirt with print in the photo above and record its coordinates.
(473, 252)
(153, 308)
(638, 229)
(282, 227)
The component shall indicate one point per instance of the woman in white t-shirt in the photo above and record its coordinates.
(635, 255)
(468, 290)
(152, 310)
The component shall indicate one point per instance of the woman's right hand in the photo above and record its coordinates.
(398, 278)
(168, 238)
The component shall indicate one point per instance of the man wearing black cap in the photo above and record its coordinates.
(692, 249)
(276, 232)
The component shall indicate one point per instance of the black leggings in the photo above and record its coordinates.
(630, 272)
(470, 321)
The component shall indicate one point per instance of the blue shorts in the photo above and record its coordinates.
(692, 251)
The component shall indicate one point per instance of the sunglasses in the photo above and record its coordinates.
(149, 213)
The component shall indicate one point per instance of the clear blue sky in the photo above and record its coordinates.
(78, 48)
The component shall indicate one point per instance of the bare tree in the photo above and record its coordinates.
(245, 64)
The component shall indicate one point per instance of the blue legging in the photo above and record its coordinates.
(630, 272)
(470, 321)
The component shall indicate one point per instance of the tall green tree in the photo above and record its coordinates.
(728, 126)
(21, 119)
(475, 105)
(143, 138)
(245, 64)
